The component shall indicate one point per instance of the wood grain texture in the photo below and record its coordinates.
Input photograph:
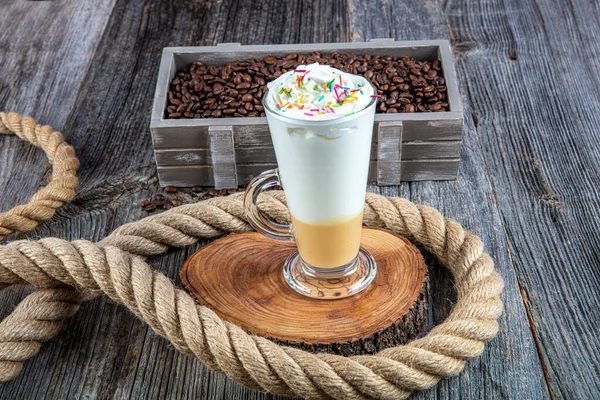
(240, 277)
(38, 39)
(527, 184)
(187, 133)
(389, 153)
(509, 367)
(542, 155)
(410, 170)
(266, 154)
(223, 157)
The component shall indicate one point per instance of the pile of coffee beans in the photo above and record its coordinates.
(159, 201)
(168, 200)
(236, 88)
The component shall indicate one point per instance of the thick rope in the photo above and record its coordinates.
(117, 268)
(64, 179)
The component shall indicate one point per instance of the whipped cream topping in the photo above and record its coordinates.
(318, 92)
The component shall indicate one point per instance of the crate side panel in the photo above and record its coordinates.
(183, 157)
(202, 175)
(255, 155)
(186, 176)
(252, 135)
(430, 150)
(442, 129)
(180, 137)
(429, 170)
(266, 154)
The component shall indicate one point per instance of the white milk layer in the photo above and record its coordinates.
(323, 165)
(321, 123)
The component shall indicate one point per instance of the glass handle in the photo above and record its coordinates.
(265, 180)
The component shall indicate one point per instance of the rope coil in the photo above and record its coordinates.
(72, 272)
(61, 190)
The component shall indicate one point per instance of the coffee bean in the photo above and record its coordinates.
(243, 85)
(144, 203)
(432, 73)
(249, 106)
(247, 97)
(218, 89)
(150, 208)
(175, 201)
(171, 189)
(435, 107)
(416, 71)
(159, 197)
(229, 111)
(216, 113)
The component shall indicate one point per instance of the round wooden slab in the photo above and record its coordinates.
(240, 277)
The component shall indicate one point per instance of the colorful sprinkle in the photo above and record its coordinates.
(309, 114)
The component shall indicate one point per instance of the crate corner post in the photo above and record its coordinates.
(389, 152)
(222, 151)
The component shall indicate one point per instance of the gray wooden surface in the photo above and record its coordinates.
(527, 184)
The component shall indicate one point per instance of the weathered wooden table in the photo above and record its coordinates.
(528, 182)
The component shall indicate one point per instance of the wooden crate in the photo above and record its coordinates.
(227, 152)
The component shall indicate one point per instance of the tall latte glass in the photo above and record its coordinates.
(321, 124)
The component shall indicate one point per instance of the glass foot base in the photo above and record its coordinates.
(328, 284)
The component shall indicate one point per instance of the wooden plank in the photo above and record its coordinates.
(433, 130)
(533, 75)
(180, 137)
(470, 199)
(223, 157)
(266, 154)
(389, 153)
(255, 155)
(430, 150)
(429, 170)
(247, 136)
(183, 157)
(202, 175)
